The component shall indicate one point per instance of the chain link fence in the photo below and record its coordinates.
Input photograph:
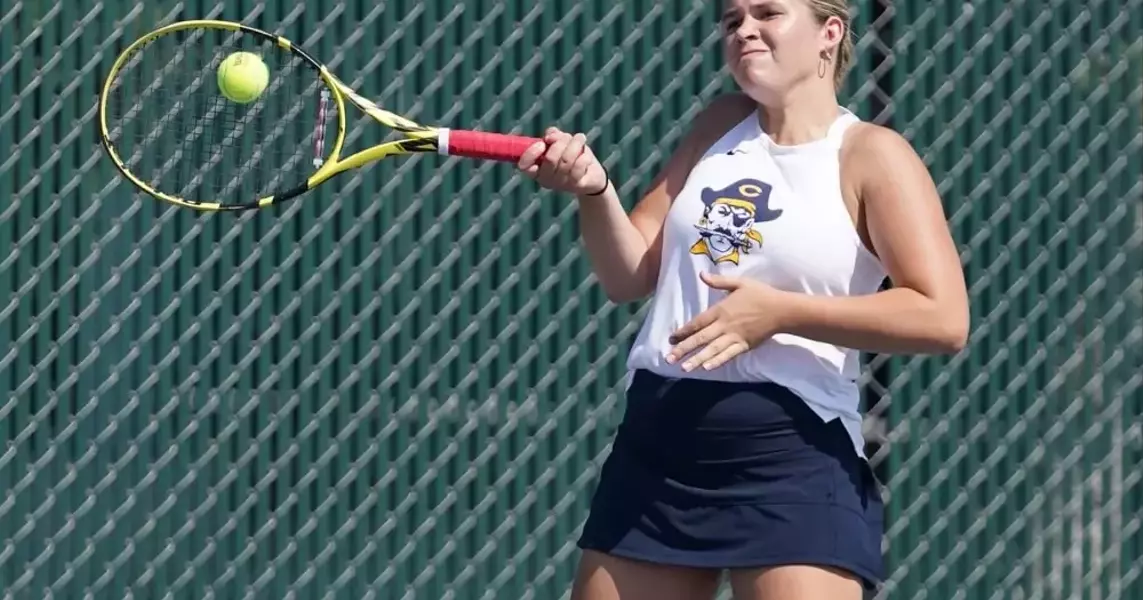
(402, 386)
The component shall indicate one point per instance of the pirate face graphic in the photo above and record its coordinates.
(726, 230)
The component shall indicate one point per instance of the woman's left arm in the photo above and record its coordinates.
(926, 311)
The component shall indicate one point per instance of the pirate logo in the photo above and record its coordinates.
(726, 229)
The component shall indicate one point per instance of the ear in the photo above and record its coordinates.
(833, 32)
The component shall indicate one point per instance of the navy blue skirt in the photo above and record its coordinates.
(734, 475)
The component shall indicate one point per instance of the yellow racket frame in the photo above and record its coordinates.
(417, 138)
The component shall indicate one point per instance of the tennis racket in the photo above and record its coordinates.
(167, 127)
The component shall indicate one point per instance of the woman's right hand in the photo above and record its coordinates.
(564, 163)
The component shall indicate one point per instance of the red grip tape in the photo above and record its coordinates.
(488, 146)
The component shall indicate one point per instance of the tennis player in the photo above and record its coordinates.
(763, 244)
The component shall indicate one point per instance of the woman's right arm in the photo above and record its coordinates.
(624, 250)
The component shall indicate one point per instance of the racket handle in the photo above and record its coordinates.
(485, 146)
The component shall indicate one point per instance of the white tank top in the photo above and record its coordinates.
(752, 208)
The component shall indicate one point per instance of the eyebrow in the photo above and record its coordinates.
(730, 12)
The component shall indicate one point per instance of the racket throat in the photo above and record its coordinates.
(319, 134)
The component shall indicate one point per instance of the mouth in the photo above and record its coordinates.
(753, 52)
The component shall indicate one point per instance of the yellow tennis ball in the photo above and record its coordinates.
(242, 77)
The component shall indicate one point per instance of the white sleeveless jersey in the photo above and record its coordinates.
(752, 208)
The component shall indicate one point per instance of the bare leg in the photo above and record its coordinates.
(795, 582)
(603, 577)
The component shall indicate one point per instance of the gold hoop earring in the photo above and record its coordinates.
(822, 62)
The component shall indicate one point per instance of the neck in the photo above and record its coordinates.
(801, 116)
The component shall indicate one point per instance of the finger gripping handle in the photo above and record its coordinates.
(485, 146)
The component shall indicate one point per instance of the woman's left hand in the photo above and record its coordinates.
(749, 315)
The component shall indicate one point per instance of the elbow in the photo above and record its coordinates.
(951, 334)
(631, 290)
(626, 289)
(623, 295)
(950, 342)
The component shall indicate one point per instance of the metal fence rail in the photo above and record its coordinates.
(401, 387)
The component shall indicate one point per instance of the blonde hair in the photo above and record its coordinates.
(843, 59)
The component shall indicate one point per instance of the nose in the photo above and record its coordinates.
(746, 31)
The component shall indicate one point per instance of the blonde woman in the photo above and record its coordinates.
(763, 244)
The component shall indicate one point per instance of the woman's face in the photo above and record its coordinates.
(770, 45)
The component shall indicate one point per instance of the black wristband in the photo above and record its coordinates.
(606, 183)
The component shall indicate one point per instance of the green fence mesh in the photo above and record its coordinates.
(403, 385)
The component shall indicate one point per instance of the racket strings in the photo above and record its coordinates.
(178, 133)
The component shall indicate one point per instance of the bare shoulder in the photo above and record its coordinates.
(870, 144)
(736, 103)
(717, 117)
(888, 189)
(876, 155)
(720, 115)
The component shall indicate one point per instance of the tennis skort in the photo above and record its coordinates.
(734, 475)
